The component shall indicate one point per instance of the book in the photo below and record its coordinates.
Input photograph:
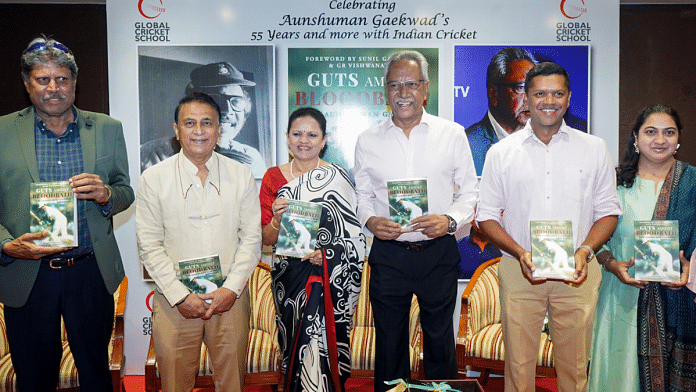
(552, 249)
(299, 225)
(201, 275)
(656, 250)
(408, 199)
(52, 208)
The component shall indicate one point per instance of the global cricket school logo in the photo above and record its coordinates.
(571, 9)
(149, 8)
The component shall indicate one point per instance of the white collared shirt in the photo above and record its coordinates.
(178, 217)
(436, 149)
(570, 179)
(499, 131)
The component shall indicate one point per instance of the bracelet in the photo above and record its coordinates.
(271, 223)
(604, 264)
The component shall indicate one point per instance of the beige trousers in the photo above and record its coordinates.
(178, 345)
(571, 315)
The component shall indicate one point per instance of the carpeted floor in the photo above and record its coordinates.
(495, 384)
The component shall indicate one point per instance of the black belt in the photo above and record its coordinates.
(60, 262)
(415, 246)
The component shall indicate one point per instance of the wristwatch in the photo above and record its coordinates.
(591, 254)
(452, 224)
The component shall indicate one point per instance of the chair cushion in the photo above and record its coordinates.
(488, 344)
(263, 353)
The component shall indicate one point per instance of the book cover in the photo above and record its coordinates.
(347, 86)
(408, 199)
(201, 275)
(552, 249)
(299, 225)
(52, 208)
(656, 250)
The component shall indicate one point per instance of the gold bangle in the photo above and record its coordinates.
(271, 223)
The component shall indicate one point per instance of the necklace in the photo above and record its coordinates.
(292, 168)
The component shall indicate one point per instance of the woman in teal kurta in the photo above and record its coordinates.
(652, 185)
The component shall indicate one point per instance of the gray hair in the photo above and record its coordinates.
(408, 55)
(497, 68)
(42, 51)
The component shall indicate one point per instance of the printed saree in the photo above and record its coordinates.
(315, 342)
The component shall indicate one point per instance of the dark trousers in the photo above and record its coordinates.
(78, 294)
(397, 274)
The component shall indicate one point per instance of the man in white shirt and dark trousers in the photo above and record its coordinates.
(414, 144)
(547, 171)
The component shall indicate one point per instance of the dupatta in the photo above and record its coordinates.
(653, 342)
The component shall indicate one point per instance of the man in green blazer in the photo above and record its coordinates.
(54, 141)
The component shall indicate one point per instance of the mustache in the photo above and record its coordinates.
(53, 96)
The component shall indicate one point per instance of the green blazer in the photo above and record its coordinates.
(103, 153)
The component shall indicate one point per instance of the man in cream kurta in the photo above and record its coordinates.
(194, 204)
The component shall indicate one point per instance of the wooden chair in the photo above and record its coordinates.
(480, 337)
(263, 353)
(362, 336)
(68, 373)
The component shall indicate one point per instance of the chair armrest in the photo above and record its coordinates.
(117, 360)
(150, 372)
(120, 295)
(265, 266)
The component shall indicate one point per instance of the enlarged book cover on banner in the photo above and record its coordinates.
(656, 251)
(408, 199)
(299, 225)
(52, 208)
(201, 275)
(347, 86)
(552, 249)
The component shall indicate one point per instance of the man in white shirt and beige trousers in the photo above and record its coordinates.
(195, 204)
(547, 171)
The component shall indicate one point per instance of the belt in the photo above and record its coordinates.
(60, 262)
(415, 246)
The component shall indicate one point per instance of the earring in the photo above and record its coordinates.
(635, 145)
(675, 150)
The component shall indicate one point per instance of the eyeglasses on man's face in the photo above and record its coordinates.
(518, 88)
(412, 84)
(235, 102)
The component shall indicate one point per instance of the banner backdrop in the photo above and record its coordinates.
(286, 53)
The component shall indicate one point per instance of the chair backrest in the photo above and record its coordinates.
(363, 311)
(261, 301)
(484, 298)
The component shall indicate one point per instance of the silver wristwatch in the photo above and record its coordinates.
(591, 254)
(452, 224)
